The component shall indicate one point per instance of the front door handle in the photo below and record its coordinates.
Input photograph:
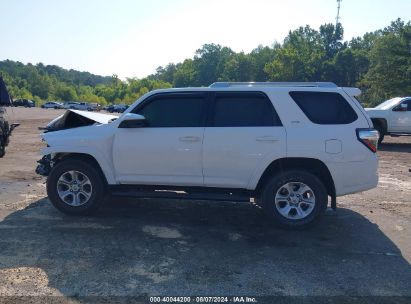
(267, 138)
(190, 138)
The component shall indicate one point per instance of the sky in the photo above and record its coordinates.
(131, 38)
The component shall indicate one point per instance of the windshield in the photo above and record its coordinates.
(388, 104)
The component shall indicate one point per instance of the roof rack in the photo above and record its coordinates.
(274, 84)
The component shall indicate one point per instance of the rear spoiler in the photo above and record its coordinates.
(353, 92)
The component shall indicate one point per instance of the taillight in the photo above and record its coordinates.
(369, 137)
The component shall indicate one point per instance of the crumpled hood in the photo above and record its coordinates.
(75, 118)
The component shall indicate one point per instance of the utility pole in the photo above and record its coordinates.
(338, 13)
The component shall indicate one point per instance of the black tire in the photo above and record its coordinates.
(2, 148)
(269, 191)
(380, 130)
(96, 179)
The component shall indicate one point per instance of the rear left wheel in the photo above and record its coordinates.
(294, 199)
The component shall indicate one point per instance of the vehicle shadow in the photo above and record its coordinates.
(395, 147)
(160, 247)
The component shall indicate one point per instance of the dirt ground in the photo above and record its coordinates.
(159, 247)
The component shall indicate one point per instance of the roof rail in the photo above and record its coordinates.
(274, 84)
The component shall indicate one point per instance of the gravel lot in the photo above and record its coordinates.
(158, 247)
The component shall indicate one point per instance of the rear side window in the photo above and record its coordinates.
(244, 109)
(173, 111)
(324, 108)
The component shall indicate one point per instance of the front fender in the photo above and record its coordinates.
(102, 160)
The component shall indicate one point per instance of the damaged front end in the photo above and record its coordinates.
(81, 121)
(75, 118)
(44, 165)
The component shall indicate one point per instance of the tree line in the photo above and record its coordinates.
(378, 62)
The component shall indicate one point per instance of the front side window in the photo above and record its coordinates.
(173, 111)
(324, 108)
(244, 109)
(408, 103)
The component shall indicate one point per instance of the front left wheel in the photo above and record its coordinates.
(76, 187)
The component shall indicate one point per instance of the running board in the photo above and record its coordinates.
(192, 193)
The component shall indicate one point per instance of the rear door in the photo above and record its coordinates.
(243, 133)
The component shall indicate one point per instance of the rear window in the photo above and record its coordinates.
(324, 108)
(244, 109)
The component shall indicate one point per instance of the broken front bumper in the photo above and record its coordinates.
(44, 165)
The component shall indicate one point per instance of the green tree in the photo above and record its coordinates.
(390, 64)
(65, 93)
(185, 75)
(346, 68)
(209, 63)
(260, 57)
(240, 67)
(300, 58)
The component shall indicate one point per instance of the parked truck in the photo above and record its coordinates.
(392, 117)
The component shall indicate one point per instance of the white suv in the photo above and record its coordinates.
(285, 146)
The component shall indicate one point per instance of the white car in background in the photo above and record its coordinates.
(75, 105)
(392, 117)
(52, 105)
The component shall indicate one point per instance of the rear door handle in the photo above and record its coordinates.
(190, 138)
(267, 138)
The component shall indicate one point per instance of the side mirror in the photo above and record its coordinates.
(132, 120)
(401, 108)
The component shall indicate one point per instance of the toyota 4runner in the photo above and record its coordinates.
(288, 147)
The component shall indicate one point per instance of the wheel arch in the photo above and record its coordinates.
(380, 122)
(311, 165)
(99, 161)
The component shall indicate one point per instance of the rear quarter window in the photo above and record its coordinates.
(324, 108)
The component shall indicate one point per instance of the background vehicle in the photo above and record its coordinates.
(95, 106)
(118, 108)
(27, 103)
(5, 127)
(288, 146)
(52, 105)
(108, 108)
(74, 105)
(392, 117)
(4, 132)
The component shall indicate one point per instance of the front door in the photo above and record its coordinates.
(401, 120)
(168, 150)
